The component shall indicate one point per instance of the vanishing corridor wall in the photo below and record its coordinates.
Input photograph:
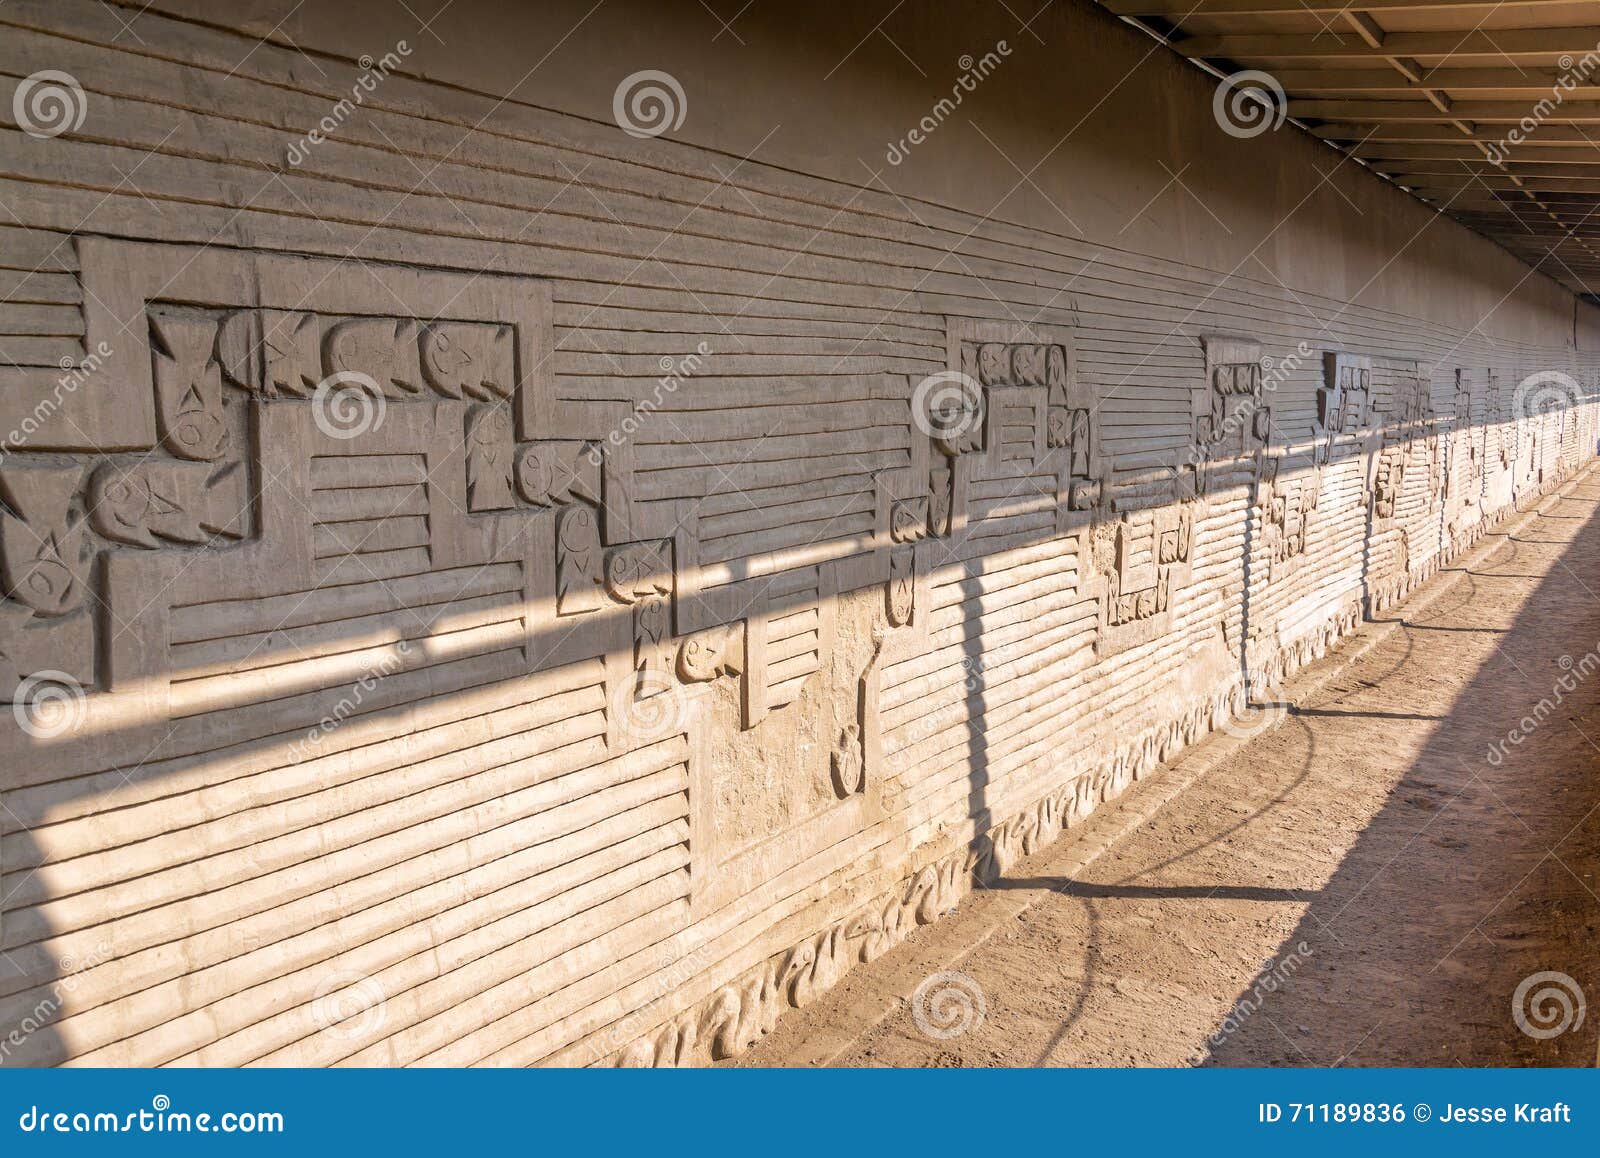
(619, 660)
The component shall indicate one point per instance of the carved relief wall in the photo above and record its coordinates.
(383, 622)
(1406, 480)
(1467, 455)
(1290, 504)
(1344, 401)
(339, 485)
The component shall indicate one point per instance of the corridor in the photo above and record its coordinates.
(1359, 883)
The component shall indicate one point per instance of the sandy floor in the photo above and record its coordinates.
(1359, 886)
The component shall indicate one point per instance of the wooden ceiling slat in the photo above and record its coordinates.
(1531, 212)
(1173, 8)
(1569, 251)
(1436, 188)
(1483, 112)
(1456, 206)
(1419, 133)
(1534, 82)
(1524, 169)
(1536, 234)
(1529, 192)
(1497, 44)
(1526, 154)
(1577, 182)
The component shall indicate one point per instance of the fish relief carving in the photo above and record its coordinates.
(715, 652)
(465, 359)
(188, 384)
(383, 350)
(902, 586)
(150, 503)
(489, 454)
(42, 545)
(551, 473)
(274, 352)
(579, 577)
(908, 519)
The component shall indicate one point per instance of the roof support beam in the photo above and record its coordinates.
(1367, 28)
(1450, 175)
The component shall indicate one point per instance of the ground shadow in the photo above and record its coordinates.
(1476, 875)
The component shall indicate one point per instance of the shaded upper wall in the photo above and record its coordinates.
(1100, 118)
(1588, 326)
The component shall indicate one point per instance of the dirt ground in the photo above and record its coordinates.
(1361, 885)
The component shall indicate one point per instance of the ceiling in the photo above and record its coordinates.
(1434, 96)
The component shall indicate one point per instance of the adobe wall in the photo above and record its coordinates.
(625, 651)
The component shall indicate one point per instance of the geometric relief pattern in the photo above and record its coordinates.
(1231, 420)
(1140, 561)
(209, 368)
(1343, 401)
(1033, 416)
(1287, 509)
(189, 383)
(1409, 444)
